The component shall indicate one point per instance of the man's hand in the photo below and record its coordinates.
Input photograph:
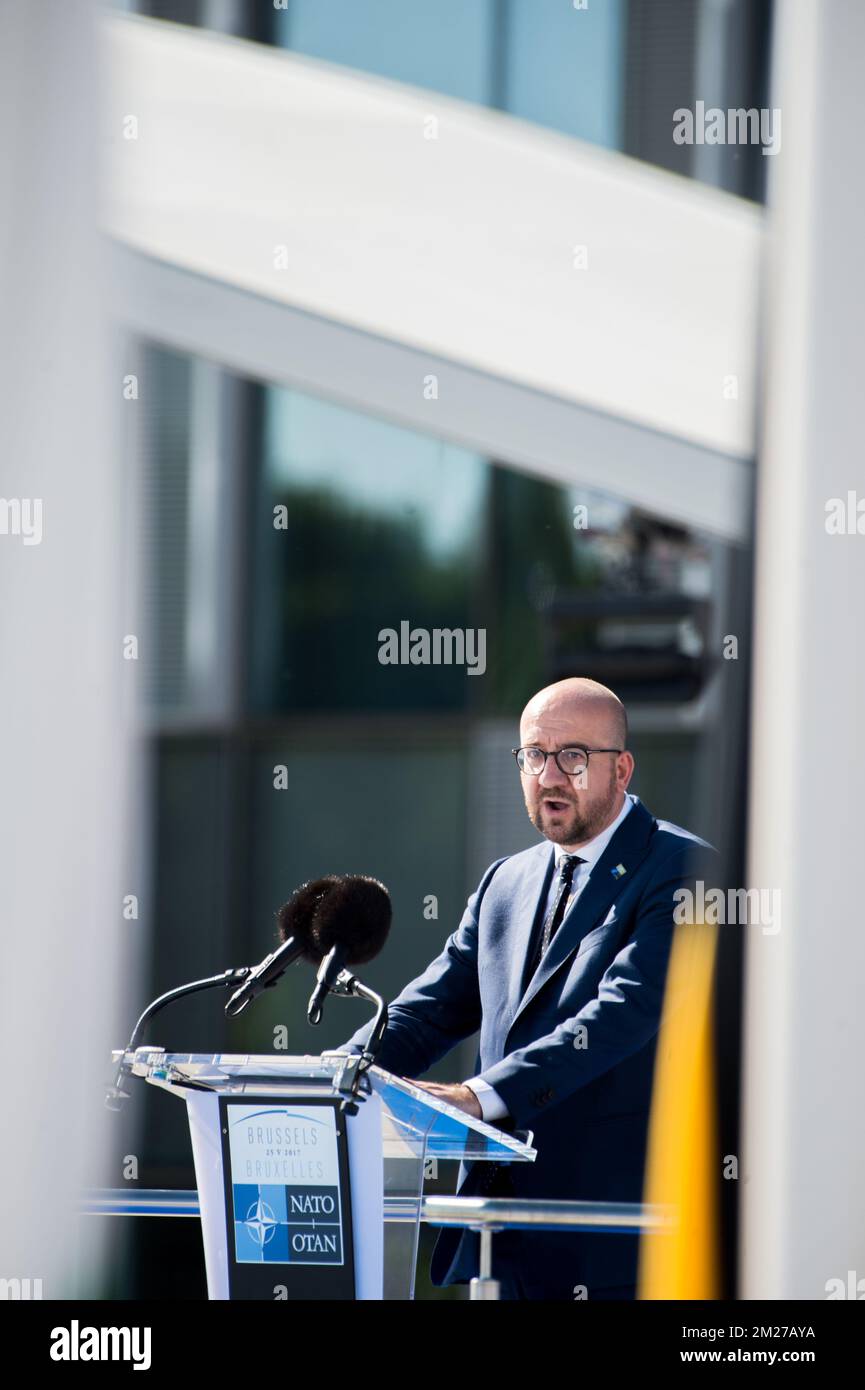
(463, 1097)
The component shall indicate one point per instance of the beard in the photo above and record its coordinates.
(581, 823)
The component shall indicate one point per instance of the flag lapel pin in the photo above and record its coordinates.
(619, 871)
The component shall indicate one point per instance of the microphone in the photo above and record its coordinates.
(341, 918)
(295, 944)
(328, 974)
(347, 917)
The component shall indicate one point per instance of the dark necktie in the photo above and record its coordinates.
(557, 911)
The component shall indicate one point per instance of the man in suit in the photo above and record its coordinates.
(560, 961)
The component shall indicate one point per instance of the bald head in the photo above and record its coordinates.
(579, 701)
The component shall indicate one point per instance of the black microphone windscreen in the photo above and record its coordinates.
(350, 910)
(297, 917)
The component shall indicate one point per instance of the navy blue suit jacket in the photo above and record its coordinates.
(588, 1105)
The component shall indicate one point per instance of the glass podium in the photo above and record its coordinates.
(294, 1157)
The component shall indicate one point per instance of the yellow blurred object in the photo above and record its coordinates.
(683, 1163)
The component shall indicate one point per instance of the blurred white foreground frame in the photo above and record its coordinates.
(62, 749)
(802, 1196)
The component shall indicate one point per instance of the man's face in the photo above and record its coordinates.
(572, 810)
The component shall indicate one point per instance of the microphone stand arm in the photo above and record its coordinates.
(349, 1079)
(115, 1094)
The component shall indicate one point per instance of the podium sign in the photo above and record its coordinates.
(287, 1198)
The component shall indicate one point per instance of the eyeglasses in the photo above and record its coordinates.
(570, 761)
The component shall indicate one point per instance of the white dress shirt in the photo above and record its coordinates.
(491, 1103)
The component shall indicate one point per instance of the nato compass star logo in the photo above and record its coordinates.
(260, 1222)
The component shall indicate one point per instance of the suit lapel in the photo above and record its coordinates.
(628, 847)
(530, 899)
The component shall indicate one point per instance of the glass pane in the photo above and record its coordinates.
(445, 46)
(564, 67)
(363, 527)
